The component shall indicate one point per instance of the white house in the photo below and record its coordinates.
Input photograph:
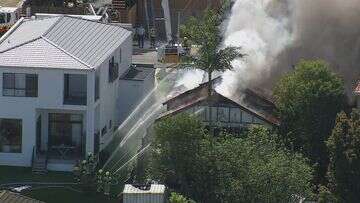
(59, 84)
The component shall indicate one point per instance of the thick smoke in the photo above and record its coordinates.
(276, 34)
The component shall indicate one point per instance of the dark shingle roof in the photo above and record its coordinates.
(138, 72)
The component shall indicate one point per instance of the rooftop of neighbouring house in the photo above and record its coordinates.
(144, 189)
(11, 197)
(9, 3)
(64, 42)
(138, 72)
(251, 100)
(357, 88)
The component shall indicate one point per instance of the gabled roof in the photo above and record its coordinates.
(11, 197)
(85, 44)
(247, 99)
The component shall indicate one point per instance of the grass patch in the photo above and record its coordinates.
(61, 195)
(10, 174)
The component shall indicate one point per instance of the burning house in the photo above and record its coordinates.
(231, 113)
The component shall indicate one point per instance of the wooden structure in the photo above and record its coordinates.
(231, 112)
(150, 13)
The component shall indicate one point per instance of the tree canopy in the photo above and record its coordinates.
(255, 168)
(308, 100)
(344, 149)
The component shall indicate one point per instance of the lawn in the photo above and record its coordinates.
(10, 174)
(62, 195)
(50, 195)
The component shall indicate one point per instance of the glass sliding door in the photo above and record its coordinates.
(65, 134)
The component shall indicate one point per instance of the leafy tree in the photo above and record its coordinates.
(344, 148)
(174, 152)
(308, 100)
(257, 168)
(226, 169)
(177, 198)
(205, 33)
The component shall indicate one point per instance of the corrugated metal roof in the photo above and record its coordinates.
(86, 41)
(10, 197)
(154, 189)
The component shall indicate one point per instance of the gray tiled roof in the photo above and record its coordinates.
(39, 54)
(60, 42)
(28, 30)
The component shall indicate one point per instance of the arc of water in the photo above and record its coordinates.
(142, 151)
(134, 129)
(148, 115)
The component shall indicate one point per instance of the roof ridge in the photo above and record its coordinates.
(17, 25)
(79, 18)
(63, 50)
(11, 30)
(53, 25)
(19, 45)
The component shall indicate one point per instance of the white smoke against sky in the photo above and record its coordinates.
(190, 78)
(261, 37)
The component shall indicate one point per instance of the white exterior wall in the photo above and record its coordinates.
(132, 92)
(109, 91)
(50, 96)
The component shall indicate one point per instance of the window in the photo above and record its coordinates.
(223, 114)
(246, 117)
(103, 131)
(2, 18)
(75, 89)
(8, 16)
(65, 130)
(20, 85)
(97, 85)
(113, 70)
(120, 56)
(235, 115)
(10, 135)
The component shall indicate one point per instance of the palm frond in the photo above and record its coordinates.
(225, 57)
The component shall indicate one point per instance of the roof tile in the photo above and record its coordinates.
(84, 43)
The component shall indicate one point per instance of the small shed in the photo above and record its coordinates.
(11, 197)
(153, 193)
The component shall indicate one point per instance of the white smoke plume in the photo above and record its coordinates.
(262, 38)
(276, 34)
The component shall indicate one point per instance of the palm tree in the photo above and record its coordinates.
(204, 32)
